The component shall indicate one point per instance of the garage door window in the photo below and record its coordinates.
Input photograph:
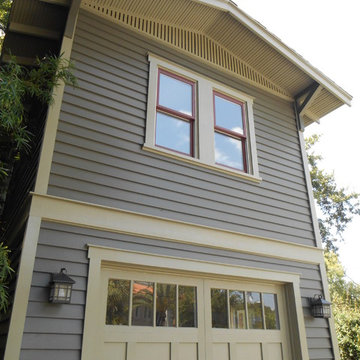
(271, 311)
(236, 309)
(172, 306)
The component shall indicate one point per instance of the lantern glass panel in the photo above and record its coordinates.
(62, 291)
(327, 312)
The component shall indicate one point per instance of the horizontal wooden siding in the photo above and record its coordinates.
(99, 158)
(55, 331)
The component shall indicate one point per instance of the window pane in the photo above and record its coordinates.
(228, 151)
(187, 306)
(271, 311)
(175, 94)
(143, 303)
(117, 309)
(219, 308)
(173, 133)
(229, 115)
(237, 309)
(254, 310)
(165, 305)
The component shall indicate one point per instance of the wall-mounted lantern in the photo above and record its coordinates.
(320, 308)
(61, 287)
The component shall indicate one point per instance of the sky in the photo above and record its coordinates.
(326, 33)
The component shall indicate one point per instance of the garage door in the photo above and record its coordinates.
(170, 316)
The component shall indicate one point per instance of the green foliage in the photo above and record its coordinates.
(347, 323)
(5, 6)
(343, 292)
(20, 86)
(345, 296)
(5, 271)
(337, 208)
(337, 205)
(18, 83)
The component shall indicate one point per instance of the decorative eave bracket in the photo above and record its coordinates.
(303, 101)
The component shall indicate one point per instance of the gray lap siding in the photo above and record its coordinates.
(55, 331)
(99, 158)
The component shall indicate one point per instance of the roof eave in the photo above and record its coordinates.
(275, 42)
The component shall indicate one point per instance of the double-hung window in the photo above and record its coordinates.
(175, 113)
(198, 120)
(230, 132)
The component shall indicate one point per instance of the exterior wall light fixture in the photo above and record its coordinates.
(60, 287)
(320, 308)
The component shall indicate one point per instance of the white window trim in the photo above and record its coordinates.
(101, 256)
(204, 147)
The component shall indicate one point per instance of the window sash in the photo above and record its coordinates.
(203, 150)
(230, 133)
(248, 311)
(177, 114)
(141, 305)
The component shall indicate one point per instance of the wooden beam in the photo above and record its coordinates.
(310, 93)
(71, 19)
(58, 2)
(21, 60)
(34, 31)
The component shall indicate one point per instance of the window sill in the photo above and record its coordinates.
(191, 160)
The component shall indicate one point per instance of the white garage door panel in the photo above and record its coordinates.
(273, 351)
(150, 351)
(247, 352)
(241, 344)
(115, 348)
(152, 342)
(132, 342)
(220, 350)
(187, 351)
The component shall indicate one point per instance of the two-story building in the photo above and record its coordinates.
(172, 184)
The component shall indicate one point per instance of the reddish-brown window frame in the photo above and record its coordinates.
(227, 132)
(181, 116)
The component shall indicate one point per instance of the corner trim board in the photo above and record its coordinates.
(52, 119)
(23, 284)
(318, 242)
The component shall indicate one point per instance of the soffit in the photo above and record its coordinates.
(215, 31)
(262, 58)
(38, 14)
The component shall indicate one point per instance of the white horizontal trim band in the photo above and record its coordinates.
(88, 215)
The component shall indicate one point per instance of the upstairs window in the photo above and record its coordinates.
(195, 119)
(230, 133)
(175, 113)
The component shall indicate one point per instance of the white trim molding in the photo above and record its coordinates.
(52, 119)
(318, 241)
(203, 134)
(22, 291)
(77, 213)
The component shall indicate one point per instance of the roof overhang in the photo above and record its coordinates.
(216, 32)
(235, 38)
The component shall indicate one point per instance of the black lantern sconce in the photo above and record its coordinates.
(61, 287)
(320, 308)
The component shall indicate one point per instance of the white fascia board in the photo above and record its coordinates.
(275, 42)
